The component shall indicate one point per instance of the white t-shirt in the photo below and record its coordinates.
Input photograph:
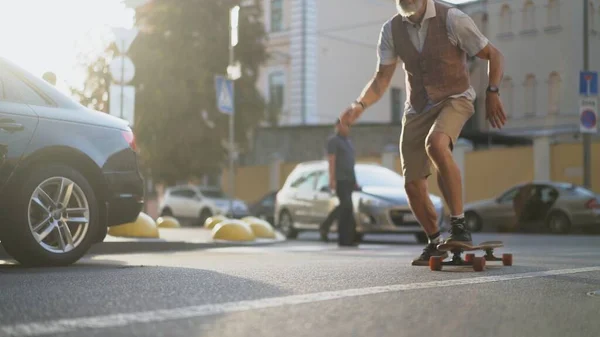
(462, 32)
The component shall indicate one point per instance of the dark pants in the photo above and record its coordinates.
(343, 213)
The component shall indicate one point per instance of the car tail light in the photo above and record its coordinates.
(130, 139)
(592, 203)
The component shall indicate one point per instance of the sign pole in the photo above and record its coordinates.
(233, 40)
(587, 137)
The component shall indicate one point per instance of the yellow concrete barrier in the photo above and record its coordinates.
(167, 222)
(143, 227)
(233, 230)
(260, 227)
(211, 222)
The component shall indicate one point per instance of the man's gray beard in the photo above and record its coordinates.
(410, 10)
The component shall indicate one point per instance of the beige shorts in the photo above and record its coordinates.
(448, 117)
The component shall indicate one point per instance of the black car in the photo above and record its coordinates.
(66, 172)
(265, 207)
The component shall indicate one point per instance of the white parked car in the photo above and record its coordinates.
(195, 204)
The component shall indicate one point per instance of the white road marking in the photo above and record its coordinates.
(120, 320)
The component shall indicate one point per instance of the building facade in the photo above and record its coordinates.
(542, 41)
(323, 53)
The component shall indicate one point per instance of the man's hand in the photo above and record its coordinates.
(351, 114)
(494, 110)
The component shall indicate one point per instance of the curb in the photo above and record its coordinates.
(116, 246)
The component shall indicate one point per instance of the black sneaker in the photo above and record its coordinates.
(429, 251)
(459, 232)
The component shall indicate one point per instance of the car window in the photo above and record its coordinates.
(509, 195)
(548, 194)
(323, 180)
(184, 193)
(306, 181)
(268, 201)
(17, 91)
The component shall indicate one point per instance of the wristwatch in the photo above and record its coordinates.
(494, 89)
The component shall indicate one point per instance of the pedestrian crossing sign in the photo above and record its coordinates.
(224, 90)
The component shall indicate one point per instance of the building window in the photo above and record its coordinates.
(530, 95)
(397, 100)
(276, 96)
(276, 15)
(506, 95)
(553, 13)
(528, 16)
(554, 93)
(505, 20)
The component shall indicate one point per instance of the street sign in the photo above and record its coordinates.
(224, 89)
(588, 115)
(588, 83)
(234, 72)
(128, 102)
(122, 69)
(124, 38)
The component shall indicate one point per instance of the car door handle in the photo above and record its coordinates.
(11, 127)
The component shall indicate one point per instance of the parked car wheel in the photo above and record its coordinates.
(473, 221)
(286, 225)
(558, 223)
(54, 220)
(204, 214)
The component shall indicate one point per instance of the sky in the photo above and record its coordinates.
(58, 35)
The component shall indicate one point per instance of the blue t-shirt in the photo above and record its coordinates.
(343, 150)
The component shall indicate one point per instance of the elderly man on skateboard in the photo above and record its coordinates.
(433, 41)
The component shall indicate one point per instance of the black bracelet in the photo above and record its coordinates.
(361, 104)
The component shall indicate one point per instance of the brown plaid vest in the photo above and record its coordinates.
(440, 70)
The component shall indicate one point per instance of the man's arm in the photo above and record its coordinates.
(496, 63)
(331, 151)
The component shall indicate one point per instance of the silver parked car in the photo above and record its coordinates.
(543, 206)
(381, 206)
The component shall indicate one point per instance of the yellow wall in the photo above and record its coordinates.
(567, 164)
(490, 172)
(251, 182)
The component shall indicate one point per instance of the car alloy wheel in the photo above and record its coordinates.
(58, 215)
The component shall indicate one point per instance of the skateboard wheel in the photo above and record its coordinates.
(478, 263)
(507, 259)
(435, 263)
(469, 257)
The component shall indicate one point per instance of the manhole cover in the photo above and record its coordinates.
(594, 293)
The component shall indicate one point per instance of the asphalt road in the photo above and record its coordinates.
(306, 288)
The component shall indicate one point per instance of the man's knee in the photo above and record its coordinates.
(415, 189)
(437, 143)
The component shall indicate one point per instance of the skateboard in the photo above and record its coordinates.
(478, 263)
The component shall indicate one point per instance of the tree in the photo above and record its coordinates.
(181, 47)
(94, 94)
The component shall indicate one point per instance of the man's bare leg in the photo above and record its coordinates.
(421, 205)
(438, 150)
(423, 209)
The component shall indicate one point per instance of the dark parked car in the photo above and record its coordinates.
(66, 172)
(265, 207)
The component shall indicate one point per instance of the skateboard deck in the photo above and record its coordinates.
(452, 245)
(478, 263)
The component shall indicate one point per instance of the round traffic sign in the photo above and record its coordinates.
(122, 69)
(588, 118)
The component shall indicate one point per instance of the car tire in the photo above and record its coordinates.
(473, 222)
(286, 225)
(204, 214)
(17, 233)
(558, 223)
(166, 212)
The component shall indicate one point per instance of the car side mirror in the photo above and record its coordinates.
(325, 189)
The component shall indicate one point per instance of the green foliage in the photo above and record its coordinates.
(181, 47)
